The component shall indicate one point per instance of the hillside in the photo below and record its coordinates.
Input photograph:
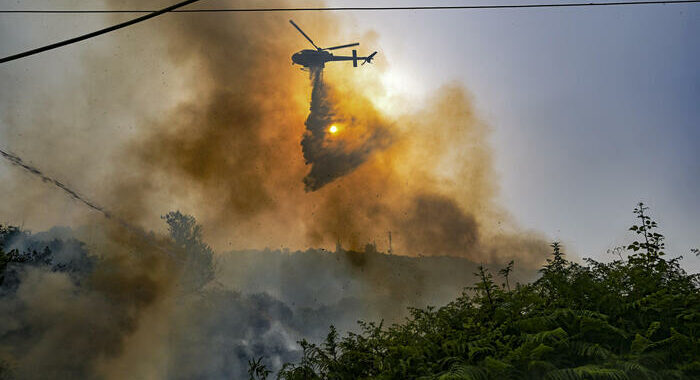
(380, 285)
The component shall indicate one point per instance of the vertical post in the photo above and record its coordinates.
(391, 251)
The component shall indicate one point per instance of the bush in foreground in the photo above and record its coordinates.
(635, 317)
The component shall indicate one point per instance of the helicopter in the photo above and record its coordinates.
(309, 58)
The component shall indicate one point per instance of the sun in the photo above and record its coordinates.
(333, 129)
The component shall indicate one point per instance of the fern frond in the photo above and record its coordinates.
(464, 372)
(591, 372)
(637, 371)
(549, 336)
(590, 350)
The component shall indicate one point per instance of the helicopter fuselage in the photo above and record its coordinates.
(312, 58)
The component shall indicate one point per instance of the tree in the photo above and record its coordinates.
(186, 235)
(485, 286)
(505, 272)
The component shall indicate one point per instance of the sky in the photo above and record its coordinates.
(591, 109)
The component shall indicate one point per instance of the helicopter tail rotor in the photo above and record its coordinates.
(370, 58)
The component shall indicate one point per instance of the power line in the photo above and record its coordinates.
(17, 161)
(174, 9)
(96, 33)
(307, 9)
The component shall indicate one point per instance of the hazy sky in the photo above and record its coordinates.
(592, 109)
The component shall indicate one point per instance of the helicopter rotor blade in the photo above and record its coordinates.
(304, 34)
(342, 46)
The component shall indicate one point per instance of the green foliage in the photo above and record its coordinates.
(631, 318)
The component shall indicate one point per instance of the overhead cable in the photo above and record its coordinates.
(73, 40)
(389, 8)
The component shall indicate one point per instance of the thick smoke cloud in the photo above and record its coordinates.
(208, 116)
(435, 224)
(236, 151)
(64, 311)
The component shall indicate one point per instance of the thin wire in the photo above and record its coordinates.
(96, 33)
(17, 161)
(428, 7)
(174, 9)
